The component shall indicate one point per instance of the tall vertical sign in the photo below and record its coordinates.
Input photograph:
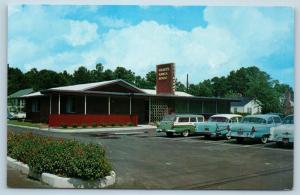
(165, 79)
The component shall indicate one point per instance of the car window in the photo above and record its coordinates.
(288, 120)
(200, 119)
(253, 120)
(277, 119)
(270, 120)
(234, 120)
(193, 119)
(218, 119)
(169, 118)
(183, 119)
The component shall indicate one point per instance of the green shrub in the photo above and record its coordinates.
(67, 158)
(74, 126)
(94, 125)
(130, 124)
(64, 126)
(84, 125)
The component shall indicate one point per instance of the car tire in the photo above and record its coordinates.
(169, 134)
(264, 139)
(279, 144)
(239, 140)
(228, 137)
(207, 136)
(185, 133)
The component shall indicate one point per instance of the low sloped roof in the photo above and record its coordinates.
(35, 94)
(177, 93)
(21, 93)
(243, 101)
(88, 86)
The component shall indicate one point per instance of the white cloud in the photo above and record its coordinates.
(112, 23)
(233, 37)
(81, 33)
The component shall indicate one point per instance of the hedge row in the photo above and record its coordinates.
(66, 158)
(94, 125)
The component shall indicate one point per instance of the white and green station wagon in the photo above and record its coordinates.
(183, 124)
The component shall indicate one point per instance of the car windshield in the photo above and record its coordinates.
(253, 120)
(288, 120)
(217, 119)
(169, 118)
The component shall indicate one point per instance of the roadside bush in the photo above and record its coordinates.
(84, 125)
(67, 158)
(74, 126)
(64, 126)
(94, 125)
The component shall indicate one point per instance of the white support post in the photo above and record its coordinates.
(108, 105)
(59, 103)
(130, 105)
(84, 104)
(149, 110)
(50, 107)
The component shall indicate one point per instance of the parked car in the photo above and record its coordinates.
(284, 134)
(16, 115)
(256, 127)
(183, 124)
(217, 125)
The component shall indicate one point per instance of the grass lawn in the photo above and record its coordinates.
(28, 124)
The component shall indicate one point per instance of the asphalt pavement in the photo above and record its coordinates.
(145, 159)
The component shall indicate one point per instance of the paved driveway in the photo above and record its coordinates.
(147, 160)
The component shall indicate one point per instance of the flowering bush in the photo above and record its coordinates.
(67, 158)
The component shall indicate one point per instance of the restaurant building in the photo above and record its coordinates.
(118, 102)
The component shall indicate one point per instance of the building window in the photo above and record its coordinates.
(35, 106)
(249, 110)
(70, 106)
(235, 110)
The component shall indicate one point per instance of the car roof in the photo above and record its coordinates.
(228, 116)
(189, 115)
(264, 116)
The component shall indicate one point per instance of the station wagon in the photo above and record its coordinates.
(217, 125)
(284, 134)
(183, 124)
(255, 127)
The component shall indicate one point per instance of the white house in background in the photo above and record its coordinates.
(245, 105)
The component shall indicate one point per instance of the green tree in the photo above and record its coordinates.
(123, 73)
(32, 78)
(16, 80)
(180, 86)
(82, 75)
(97, 74)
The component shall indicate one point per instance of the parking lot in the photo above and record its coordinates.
(150, 160)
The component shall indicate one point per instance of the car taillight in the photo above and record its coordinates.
(253, 129)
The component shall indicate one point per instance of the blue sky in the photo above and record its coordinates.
(203, 41)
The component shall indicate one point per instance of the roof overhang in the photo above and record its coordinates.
(103, 93)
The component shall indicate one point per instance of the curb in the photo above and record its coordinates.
(63, 182)
(86, 130)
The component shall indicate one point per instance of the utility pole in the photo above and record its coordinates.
(187, 82)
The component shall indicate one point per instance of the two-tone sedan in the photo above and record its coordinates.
(284, 134)
(217, 125)
(255, 127)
